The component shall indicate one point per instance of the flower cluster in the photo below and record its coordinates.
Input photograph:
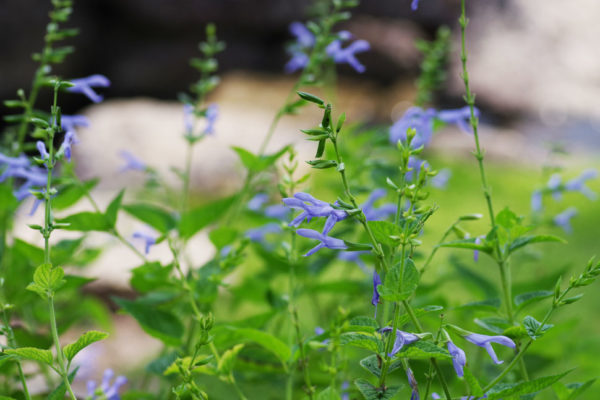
(20, 168)
(305, 42)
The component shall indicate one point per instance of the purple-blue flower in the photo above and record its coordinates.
(345, 387)
(459, 117)
(14, 162)
(212, 113)
(33, 176)
(414, 5)
(348, 55)
(536, 201)
(578, 184)
(326, 241)
(106, 390)
(41, 146)
(68, 141)
(459, 359)
(377, 214)
(476, 252)
(375, 297)
(314, 208)
(132, 163)
(440, 180)
(413, 384)
(486, 341)
(402, 338)
(277, 211)
(258, 234)
(85, 85)
(304, 37)
(188, 118)
(258, 201)
(564, 219)
(149, 240)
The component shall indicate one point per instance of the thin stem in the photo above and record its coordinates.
(59, 353)
(12, 343)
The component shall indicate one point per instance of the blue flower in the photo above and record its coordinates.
(305, 40)
(413, 384)
(85, 85)
(348, 55)
(476, 252)
(298, 61)
(440, 180)
(188, 118)
(414, 5)
(106, 390)
(536, 201)
(258, 234)
(459, 359)
(14, 162)
(375, 298)
(314, 208)
(564, 219)
(326, 241)
(19, 168)
(149, 240)
(304, 36)
(132, 163)
(486, 341)
(68, 124)
(212, 113)
(41, 146)
(68, 141)
(345, 387)
(277, 211)
(459, 117)
(377, 214)
(578, 184)
(402, 338)
(258, 201)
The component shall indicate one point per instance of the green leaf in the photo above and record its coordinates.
(526, 240)
(405, 318)
(400, 281)
(328, 393)
(264, 339)
(157, 217)
(85, 222)
(156, 322)
(371, 392)
(493, 324)
(71, 194)
(200, 217)
(47, 279)
(534, 328)
(320, 148)
(484, 305)
(571, 391)
(362, 341)
(32, 353)
(256, 163)
(311, 97)
(185, 362)
(113, 209)
(222, 236)
(373, 364)
(468, 244)
(322, 164)
(385, 232)
(473, 383)
(150, 276)
(225, 365)
(521, 388)
(61, 390)
(84, 340)
(362, 322)
(525, 299)
(422, 350)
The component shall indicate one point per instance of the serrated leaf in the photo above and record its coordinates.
(526, 240)
(47, 279)
(400, 281)
(534, 328)
(386, 232)
(31, 353)
(84, 340)
(371, 392)
(515, 389)
(422, 350)
(362, 341)
(372, 364)
(525, 299)
(473, 383)
(363, 321)
(157, 217)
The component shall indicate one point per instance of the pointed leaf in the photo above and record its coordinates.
(157, 217)
(526, 240)
(32, 353)
(200, 217)
(515, 389)
(84, 340)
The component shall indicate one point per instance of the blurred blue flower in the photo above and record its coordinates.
(188, 118)
(578, 184)
(65, 147)
(212, 113)
(106, 390)
(41, 146)
(563, 219)
(277, 211)
(536, 201)
(413, 384)
(258, 234)
(14, 162)
(345, 387)
(375, 297)
(304, 36)
(132, 163)
(348, 55)
(459, 117)
(478, 240)
(440, 180)
(85, 85)
(258, 201)
(149, 240)
(33, 176)
(326, 241)
(486, 341)
(402, 338)
(69, 123)
(459, 359)
(414, 164)
(314, 208)
(377, 214)
(414, 5)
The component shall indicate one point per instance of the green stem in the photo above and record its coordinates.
(12, 343)
(59, 353)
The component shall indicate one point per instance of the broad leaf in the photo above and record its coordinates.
(525, 299)
(473, 383)
(422, 350)
(84, 340)
(386, 232)
(200, 217)
(71, 194)
(400, 281)
(225, 365)
(85, 222)
(362, 341)
(158, 218)
(264, 339)
(32, 353)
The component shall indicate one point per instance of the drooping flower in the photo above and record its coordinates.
(486, 341)
(212, 113)
(414, 5)
(413, 385)
(258, 234)
(402, 339)
(348, 55)
(563, 219)
(459, 359)
(578, 184)
(313, 208)
(149, 240)
(33, 176)
(106, 390)
(326, 241)
(85, 85)
(14, 162)
(132, 163)
(377, 214)
(41, 146)
(375, 297)
(65, 147)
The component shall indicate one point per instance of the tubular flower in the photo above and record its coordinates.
(313, 208)
(564, 219)
(413, 384)
(402, 338)
(375, 298)
(132, 163)
(85, 85)
(149, 240)
(326, 241)
(377, 214)
(459, 359)
(486, 341)
(106, 390)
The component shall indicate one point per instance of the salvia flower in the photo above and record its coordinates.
(414, 5)
(314, 208)
(377, 214)
(65, 147)
(413, 384)
(459, 117)
(402, 339)
(258, 234)
(375, 298)
(106, 390)
(14, 162)
(33, 176)
(212, 113)
(347, 55)
(149, 240)
(258, 201)
(85, 85)
(41, 146)
(563, 219)
(132, 163)
(188, 118)
(486, 341)
(459, 359)
(277, 211)
(578, 184)
(326, 241)
(304, 36)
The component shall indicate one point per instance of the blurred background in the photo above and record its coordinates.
(534, 65)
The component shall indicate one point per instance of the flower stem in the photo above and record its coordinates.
(12, 343)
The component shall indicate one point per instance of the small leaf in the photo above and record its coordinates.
(534, 328)
(526, 240)
(371, 392)
(32, 353)
(473, 383)
(47, 279)
(423, 350)
(84, 340)
(113, 209)
(386, 232)
(264, 339)
(311, 97)
(362, 340)
(225, 365)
